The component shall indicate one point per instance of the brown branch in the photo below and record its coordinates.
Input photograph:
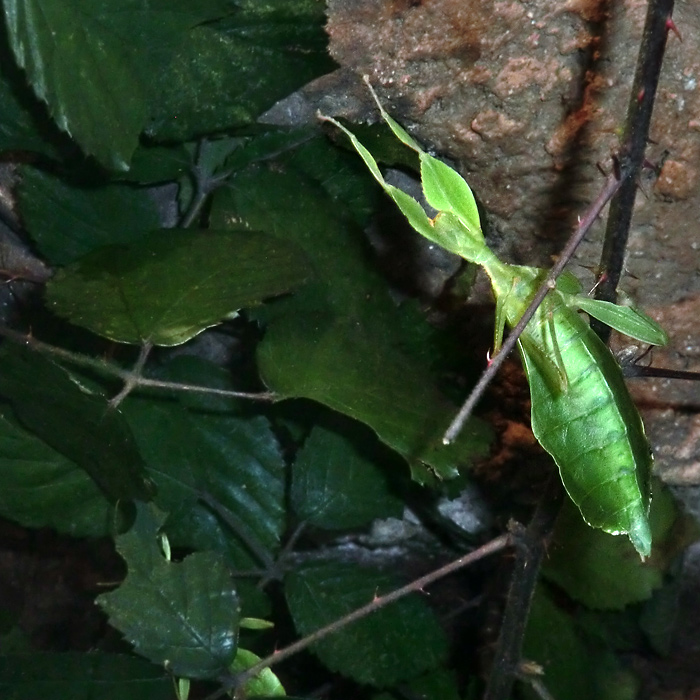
(634, 141)
(530, 549)
(495, 545)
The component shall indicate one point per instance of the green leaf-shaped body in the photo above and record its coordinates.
(592, 428)
(582, 413)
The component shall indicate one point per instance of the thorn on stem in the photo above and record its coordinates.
(671, 27)
(640, 95)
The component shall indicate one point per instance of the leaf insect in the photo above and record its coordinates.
(582, 413)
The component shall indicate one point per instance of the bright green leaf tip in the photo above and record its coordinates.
(640, 536)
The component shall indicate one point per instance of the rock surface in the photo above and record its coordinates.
(528, 98)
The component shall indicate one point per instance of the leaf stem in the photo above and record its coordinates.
(612, 183)
(128, 375)
(204, 184)
(136, 373)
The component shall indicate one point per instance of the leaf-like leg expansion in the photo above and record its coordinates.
(626, 319)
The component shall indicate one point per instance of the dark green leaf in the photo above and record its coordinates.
(80, 676)
(67, 221)
(229, 72)
(83, 71)
(184, 615)
(268, 145)
(344, 367)
(576, 666)
(173, 284)
(153, 164)
(234, 462)
(340, 175)
(334, 486)
(15, 642)
(439, 684)
(92, 62)
(603, 571)
(393, 644)
(288, 203)
(436, 685)
(39, 487)
(194, 370)
(81, 426)
(24, 125)
(660, 617)
(341, 340)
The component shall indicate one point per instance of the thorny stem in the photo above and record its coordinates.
(635, 135)
(530, 549)
(507, 661)
(612, 183)
(125, 375)
(239, 681)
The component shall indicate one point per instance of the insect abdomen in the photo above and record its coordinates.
(592, 428)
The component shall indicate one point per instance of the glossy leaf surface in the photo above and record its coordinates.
(393, 644)
(352, 371)
(23, 124)
(265, 684)
(595, 435)
(154, 291)
(341, 340)
(183, 615)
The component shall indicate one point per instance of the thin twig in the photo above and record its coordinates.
(611, 185)
(126, 375)
(136, 373)
(495, 545)
(204, 184)
(634, 141)
(632, 371)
